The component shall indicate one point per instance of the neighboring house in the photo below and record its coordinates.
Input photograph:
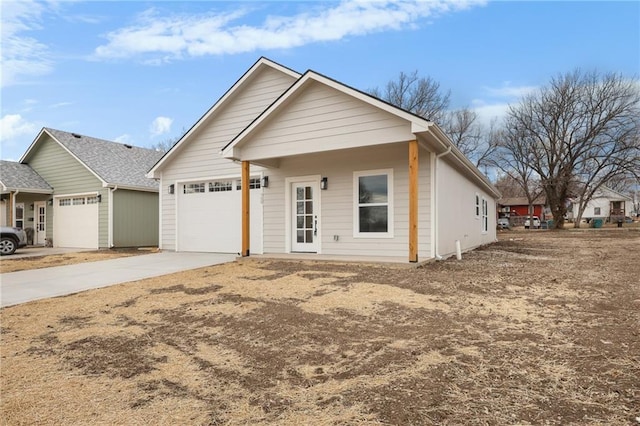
(605, 204)
(516, 209)
(82, 192)
(322, 168)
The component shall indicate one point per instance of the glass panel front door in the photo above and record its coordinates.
(41, 219)
(304, 217)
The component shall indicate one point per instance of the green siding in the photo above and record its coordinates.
(135, 218)
(68, 176)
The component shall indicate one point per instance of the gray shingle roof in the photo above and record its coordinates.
(14, 175)
(114, 162)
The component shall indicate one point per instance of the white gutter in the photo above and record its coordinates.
(110, 220)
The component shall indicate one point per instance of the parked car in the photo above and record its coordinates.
(11, 239)
(503, 223)
(534, 225)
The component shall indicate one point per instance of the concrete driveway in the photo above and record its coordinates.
(25, 286)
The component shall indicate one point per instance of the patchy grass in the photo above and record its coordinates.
(539, 328)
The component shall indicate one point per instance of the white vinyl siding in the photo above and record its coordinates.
(457, 212)
(336, 216)
(321, 118)
(200, 157)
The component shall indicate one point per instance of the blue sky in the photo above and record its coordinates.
(140, 72)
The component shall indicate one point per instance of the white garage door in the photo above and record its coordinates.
(75, 221)
(210, 216)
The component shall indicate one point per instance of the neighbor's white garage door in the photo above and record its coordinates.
(75, 221)
(209, 216)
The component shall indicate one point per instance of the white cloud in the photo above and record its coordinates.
(160, 126)
(60, 104)
(165, 38)
(509, 91)
(125, 138)
(22, 56)
(496, 104)
(13, 126)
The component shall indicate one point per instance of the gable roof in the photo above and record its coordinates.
(15, 176)
(418, 124)
(606, 192)
(260, 64)
(427, 129)
(115, 164)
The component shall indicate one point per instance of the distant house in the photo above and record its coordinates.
(317, 167)
(605, 204)
(71, 190)
(517, 208)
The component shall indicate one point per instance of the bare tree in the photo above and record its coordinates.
(419, 95)
(508, 186)
(512, 158)
(580, 131)
(474, 139)
(168, 143)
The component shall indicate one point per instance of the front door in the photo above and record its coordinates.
(305, 216)
(40, 221)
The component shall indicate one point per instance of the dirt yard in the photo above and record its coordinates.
(540, 328)
(8, 264)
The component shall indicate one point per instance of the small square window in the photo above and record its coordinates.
(596, 211)
(193, 188)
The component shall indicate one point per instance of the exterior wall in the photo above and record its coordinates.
(605, 206)
(200, 158)
(456, 212)
(337, 202)
(67, 176)
(524, 211)
(29, 214)
(320, 119)
(135, 218)
(4, 214)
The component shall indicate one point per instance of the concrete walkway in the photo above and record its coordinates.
(25, 286)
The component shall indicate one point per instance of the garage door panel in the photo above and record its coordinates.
(212, 221)
(75, 225)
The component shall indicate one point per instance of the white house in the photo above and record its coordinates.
(290, 163)
(606, 204)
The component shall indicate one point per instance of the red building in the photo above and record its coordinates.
(517, 207)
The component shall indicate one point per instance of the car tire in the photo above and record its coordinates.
(7, 246)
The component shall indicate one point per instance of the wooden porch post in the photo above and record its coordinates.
(246, 219)
(12, 202)
(413, 201)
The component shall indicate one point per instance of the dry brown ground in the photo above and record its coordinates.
(540, 328)
(8, 264)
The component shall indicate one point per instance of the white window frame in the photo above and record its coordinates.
(477, 206)
(389, 204)
(485, 215)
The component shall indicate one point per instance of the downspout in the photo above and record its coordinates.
(437, 201)
(110, 221)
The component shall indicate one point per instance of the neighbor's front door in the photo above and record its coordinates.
(40, 223)
(304, 216)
